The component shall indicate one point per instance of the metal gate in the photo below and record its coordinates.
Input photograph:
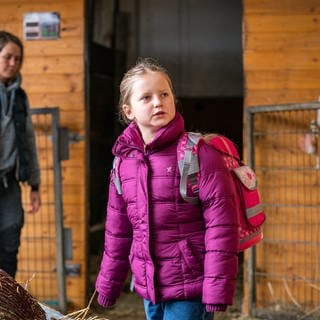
(41, 255)
(283, 271)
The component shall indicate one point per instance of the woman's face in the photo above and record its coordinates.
(10, 62)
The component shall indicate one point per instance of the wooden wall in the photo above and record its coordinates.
(281, 61)
(281, 51)
(53, 75)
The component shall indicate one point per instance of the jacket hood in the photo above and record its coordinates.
(131, 137)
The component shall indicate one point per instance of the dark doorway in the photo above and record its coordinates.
(219, 115)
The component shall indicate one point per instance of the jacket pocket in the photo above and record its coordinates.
(138, 265)
(192, 257)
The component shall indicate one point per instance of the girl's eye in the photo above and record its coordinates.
(146, 98)
(164, 94)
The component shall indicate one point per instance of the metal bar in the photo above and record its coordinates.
(58, 212)
(41, 111)
(62, 298)
(251, 253)
(283, 135)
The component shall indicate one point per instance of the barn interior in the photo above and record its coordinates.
(200, 44)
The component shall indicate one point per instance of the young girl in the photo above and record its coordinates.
(183, 256)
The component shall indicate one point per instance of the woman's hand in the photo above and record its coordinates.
(35, 202)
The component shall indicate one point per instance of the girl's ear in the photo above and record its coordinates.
(127, 112)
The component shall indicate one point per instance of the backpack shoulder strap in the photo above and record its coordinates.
(188, 164)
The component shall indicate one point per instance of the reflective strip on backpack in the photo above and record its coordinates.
(189, 167)
(253, 211)
(115, 175)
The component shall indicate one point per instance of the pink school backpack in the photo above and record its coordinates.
(250, 214)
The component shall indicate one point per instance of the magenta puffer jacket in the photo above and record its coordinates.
(176, 250)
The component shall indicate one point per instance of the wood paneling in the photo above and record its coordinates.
(51, 65)
(281, 65)
(53, 76)
(282, 60)
(281, 51)
(286, 23)
(281, 7)
(281, 41)
(268, 97)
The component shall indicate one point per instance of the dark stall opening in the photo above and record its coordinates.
(223, 115)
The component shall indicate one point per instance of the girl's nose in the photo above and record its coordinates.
(157, 101)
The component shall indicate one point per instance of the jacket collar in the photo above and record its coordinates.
(131, 137)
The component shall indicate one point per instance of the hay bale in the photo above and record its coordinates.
(16, 303)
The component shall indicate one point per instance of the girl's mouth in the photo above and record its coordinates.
(160, 113)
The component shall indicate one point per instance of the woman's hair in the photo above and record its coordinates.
(142, 66)
(7, 37)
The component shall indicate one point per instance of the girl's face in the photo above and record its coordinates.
(10, 62)
(151, 105)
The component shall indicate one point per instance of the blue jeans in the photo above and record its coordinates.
(177, 310)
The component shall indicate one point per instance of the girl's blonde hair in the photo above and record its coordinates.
(142, 66)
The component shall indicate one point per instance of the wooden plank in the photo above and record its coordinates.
(283, 79)
(278, 96)
(66, 101)
(76, 291)
(285, 23)
(283, 266)
(282, 7)
(55, 2)
(46, 48)
(41, 229)
(70, 175)
(295, 233)
(279, 165)
(72, 216)
(76, 154)
(292, 197)
(260, 41)
(41, 257)
(284, 60)
(278, 295)
(32, 263)
(15, 10)
(290, 260)
(278, 215)
(58, 83)
(44, 254)
(78, 247)
(69, 28)
(42, 286)
(73, 194)
(73, 120)
(53, 65)
(72, 28)
(44, 249)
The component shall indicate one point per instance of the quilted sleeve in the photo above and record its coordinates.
(114, 266)
(217, 196)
